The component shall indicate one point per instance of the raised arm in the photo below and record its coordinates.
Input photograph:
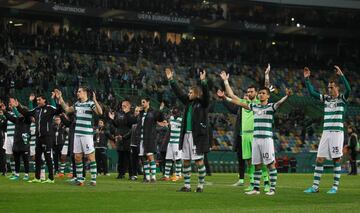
(178, 92)
(98, 110)
(225, 77)
(283, 99)
(31, 101)
(233, 109)
(344, 81)
(52, 99)
(11, 118)
(19, 108)
(205, 99)
(309, 86)
(237, 101)
(111, 116)
(267, 76)
(65, 107)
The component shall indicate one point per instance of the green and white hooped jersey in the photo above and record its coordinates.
(84, 117)
(334, 112)
(263, 119)
(175, 126)
(32, 134)
(10, 129)
(142, 127)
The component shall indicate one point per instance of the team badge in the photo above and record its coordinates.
(260, 112)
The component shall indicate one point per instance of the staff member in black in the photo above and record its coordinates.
(59, 140)
(100, 141)
(43, 115)
(352, 145)
(3, 122)
(194, 136)
(21, 145)
(122, 122)
(134, 146)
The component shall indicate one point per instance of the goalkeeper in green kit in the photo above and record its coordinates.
(247, 128)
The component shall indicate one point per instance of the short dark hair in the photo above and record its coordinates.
(85, 88)
(126, 100)
(42, 96)
(266, 89)
(333, 81)
(252, 86)
(352, 128)
(146, 98)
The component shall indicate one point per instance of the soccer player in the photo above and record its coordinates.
(9, 139)
(83, 136)
(332, 138)
(21, 142)
(263, 152)
(3, 122)
(194, 135)
(67, 154)
(64, 154)
(147, 134)
(59, 140)
(247, 128)
(32, 142)
(173, 153)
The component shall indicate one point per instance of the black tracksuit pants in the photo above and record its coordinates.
(43, 146)
(101, 160)
(25, 158)
(134, 165)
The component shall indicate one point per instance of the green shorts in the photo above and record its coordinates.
(246, 145)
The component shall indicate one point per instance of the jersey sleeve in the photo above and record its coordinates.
(343, 98)
(274, 106)
(251, 106)
(315, 94)
(92, 105)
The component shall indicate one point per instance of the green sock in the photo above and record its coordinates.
(265, 174)
(251, 172)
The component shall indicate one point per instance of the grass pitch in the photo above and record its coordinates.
(112, 195)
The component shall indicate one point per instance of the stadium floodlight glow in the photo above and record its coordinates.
(18, 25)
(10, 22)
(292, 19)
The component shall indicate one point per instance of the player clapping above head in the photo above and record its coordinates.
(263, 151)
